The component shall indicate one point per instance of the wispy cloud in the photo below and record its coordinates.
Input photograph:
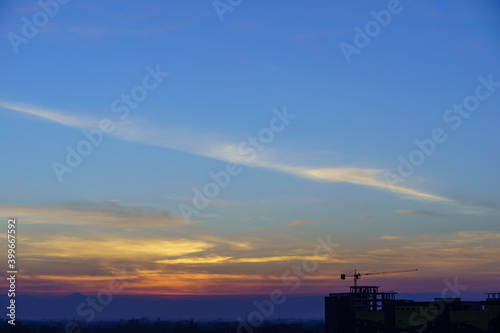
(301, 222)
(222, 151)
(420, 212)
(436, 252)
(108, 215)
(222, 259)
(485, 200)
(209, 215)
(367, 177)
(114, 248)
(390, 237)
(52, 115)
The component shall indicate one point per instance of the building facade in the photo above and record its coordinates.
(365, 309)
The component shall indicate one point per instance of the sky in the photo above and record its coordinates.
(237, 147)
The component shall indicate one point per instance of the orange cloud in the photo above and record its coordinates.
(112, 248)
(75, 216)
(300, 222)
(422, 212)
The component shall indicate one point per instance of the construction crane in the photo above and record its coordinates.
(357, 275)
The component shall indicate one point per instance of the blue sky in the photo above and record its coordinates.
(322, 174)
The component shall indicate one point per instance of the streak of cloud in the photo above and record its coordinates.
(419, 212)
(300, 222)
(221, 151)
(92, 216)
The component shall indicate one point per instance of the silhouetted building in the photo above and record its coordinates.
(365, 309)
